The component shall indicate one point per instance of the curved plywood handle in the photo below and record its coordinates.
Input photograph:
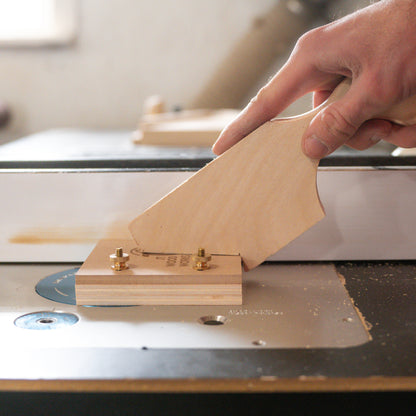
(252, 200)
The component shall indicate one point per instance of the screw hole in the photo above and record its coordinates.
(213, 320)
(46, 321)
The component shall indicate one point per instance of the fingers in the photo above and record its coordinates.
(337, 123)
(370, 133)
(402, 136)
(273, 98)
(373, 131)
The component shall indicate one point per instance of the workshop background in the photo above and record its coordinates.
(97, 70)
(328, 323)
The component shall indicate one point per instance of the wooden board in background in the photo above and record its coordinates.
(183, 128)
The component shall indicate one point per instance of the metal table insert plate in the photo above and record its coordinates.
(285, 306)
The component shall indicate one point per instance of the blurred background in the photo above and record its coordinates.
(92, 64)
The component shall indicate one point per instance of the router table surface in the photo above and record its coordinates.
(67, 379)
(381, 372)
(384, 294)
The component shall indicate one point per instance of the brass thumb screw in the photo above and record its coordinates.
(119, 260)
(200, 260)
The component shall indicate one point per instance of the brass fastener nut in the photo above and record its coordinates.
(200, 260)
(119, 260)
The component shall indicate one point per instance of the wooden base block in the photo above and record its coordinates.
(156, 279)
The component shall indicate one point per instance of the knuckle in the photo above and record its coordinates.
(262, 102)
(259, 97)
(338, 125)
(302, 42)
(309, 39)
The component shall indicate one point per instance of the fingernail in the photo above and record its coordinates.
(315, 148)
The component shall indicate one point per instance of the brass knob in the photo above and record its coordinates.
(119, 260)
(200, 261)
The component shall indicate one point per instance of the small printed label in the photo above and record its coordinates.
(244, 312)
(178, 260)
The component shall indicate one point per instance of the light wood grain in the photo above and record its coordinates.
(252, 200)
(156, 279)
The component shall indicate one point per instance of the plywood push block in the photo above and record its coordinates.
(157, 279)
(257, 197)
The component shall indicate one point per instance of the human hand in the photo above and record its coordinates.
(376, 48)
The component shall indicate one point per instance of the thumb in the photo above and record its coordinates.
(336, 123)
